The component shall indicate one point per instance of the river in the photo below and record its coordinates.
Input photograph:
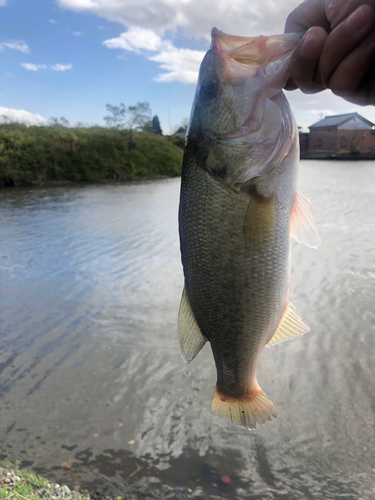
(92, 387)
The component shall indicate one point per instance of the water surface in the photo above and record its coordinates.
(90, 370)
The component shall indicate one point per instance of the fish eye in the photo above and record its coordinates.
(209, 86)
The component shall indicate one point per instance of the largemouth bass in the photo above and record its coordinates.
(239, 206)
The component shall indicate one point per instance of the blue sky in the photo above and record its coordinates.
(71, 57)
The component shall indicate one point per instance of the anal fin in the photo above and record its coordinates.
(291, 326)
(303, 227)
(191, 338)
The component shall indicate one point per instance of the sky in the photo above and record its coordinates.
(69, 58)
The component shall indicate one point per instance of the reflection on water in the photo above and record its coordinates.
(89, 364)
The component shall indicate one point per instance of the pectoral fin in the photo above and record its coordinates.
(191, 338)
(291, 326)
(303, 227)
(260, 222)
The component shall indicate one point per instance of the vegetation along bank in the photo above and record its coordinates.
(36, 155)
(17, 484)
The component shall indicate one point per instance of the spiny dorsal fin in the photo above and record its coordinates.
(303, 227)
(291, 326)
(191, 338)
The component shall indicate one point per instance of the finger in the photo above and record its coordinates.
(342, 42)
(325, 13)
(354, 78)
(305, 60)
(290, 85)
(338, 10)
(309, 13)
(364, 95)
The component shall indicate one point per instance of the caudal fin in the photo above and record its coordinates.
(244, 412)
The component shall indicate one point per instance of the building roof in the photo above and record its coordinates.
(336, 120)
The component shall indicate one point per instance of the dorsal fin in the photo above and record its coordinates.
(291, 326)
(191, 338)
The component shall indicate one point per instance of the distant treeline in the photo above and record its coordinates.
(35, 155)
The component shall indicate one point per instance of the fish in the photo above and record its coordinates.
(239, 207)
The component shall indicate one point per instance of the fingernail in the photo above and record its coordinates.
(357, 20)
(310, 46)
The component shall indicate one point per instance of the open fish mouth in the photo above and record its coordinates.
(244, 57)
(260, 63)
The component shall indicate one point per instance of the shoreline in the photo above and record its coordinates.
(155, 177)
(20, 484)
(16, 483)
(67, 182)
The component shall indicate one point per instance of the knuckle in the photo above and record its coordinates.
(289, 20)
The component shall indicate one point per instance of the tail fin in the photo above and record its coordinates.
(256, 409)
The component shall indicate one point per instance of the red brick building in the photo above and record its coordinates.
(342, 135)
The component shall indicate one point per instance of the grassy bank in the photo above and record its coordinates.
(19, 484)
(35, 155)
(16, 484)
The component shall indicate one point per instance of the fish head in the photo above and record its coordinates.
(241, 121)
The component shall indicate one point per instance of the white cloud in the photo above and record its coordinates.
(61, 67)
(135, 39)
(182, 65)
(148, 20)
(3, 3)
(79, 4)
(21, 116)
(33, 67)
(52, 21)
(195, 17)
(15, 45)
(55, 67)
(77, 33)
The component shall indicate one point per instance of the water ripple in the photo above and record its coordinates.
(89, 363)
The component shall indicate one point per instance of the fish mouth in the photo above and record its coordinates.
(262, 62)
(254, 50)
(247, 57)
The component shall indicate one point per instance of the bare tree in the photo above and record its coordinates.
(117, 118)
(130, 118)
(58, 122)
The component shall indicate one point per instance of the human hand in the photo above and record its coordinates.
(338, 50)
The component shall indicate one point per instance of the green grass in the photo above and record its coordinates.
(34, 155)
(27, 485)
